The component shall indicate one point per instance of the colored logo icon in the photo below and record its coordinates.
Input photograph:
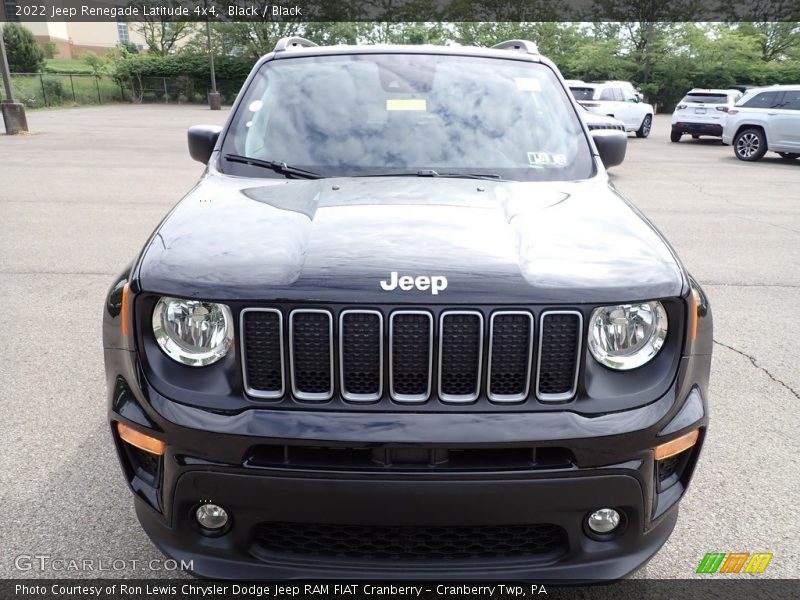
(734, 562)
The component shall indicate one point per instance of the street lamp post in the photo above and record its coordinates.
(13, 112)
(214, 100)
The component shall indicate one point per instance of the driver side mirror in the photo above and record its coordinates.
(611, 145)
(202, 139)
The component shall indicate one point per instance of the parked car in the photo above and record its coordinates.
(765, 119)
(619, 100)
(404, 325)
(595, 121)
(702, 112)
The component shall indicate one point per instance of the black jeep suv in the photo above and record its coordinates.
(405, 325)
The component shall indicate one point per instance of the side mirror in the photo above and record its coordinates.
(611, 145)
(202, 139)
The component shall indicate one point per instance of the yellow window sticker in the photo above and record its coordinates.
(528, 84)
(406, 104)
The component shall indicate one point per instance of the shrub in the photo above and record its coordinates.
(50, 49)
(190, 72)
(54, 90)
(23, 53)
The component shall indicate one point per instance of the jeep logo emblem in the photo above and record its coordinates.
(434, 283)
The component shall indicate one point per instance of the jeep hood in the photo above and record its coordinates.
(335, 240)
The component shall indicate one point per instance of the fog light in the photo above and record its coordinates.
(211, 516)
(604, 520)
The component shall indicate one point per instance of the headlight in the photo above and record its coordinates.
(627, 336)
(193, 332)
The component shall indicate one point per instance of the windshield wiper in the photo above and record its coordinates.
(275, 165)
(432, 173)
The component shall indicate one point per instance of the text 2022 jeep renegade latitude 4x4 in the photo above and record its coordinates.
(405, 325)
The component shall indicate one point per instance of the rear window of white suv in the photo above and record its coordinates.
(582, 93)
(705, 98)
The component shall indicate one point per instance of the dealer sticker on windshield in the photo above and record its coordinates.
(528, 84)
(406, 104)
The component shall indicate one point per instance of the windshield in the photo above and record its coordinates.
(407, 114)
(706, 98)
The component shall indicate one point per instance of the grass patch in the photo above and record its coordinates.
(66, 65)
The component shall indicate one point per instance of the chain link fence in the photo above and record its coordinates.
(39, 90)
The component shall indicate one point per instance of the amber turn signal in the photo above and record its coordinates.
(677, 445)
(125, 314)
(140, 440)
(694, 307)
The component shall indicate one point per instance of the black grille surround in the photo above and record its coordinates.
(427, 360)
(409, 543)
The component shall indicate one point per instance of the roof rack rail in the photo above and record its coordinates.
(519, 45)
(293, 42)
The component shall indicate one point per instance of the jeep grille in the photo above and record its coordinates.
(455, 356)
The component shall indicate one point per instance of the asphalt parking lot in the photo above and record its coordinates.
(79, 196)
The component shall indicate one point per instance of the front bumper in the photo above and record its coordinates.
(312, 470)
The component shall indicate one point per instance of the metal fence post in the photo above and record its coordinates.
(166, 96)
(72, 85)
(97, 85)
(44, 92)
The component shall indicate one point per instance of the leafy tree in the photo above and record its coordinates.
(23, 53)
(161, 33)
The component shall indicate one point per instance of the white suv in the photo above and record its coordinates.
(616, 99)
(765, 119)
(702, 112)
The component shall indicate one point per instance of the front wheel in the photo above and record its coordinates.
(750, 145)
(644, 130)
(675, 135)
(789, 155)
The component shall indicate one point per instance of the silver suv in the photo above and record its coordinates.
(765, 119)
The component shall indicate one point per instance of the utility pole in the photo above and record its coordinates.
(13, 112)
(214, 100)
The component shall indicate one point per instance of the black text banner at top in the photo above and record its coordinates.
(403, 10)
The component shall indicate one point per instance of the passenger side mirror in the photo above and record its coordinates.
(611, 145)
(202, 139)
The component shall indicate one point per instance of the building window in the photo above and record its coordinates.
(11, 10)
(122, 31)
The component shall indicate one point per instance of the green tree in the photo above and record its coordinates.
(163, 34)
(24, 54)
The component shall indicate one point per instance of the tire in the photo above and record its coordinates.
(675, 135)
(644, 129)
(789, 155)
(750, 145)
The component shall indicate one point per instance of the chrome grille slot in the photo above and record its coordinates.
(360, 355)
(460, 354)
(262, 362)
(559, 355)
(410, 355)
(311, 354)
(510, 356)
